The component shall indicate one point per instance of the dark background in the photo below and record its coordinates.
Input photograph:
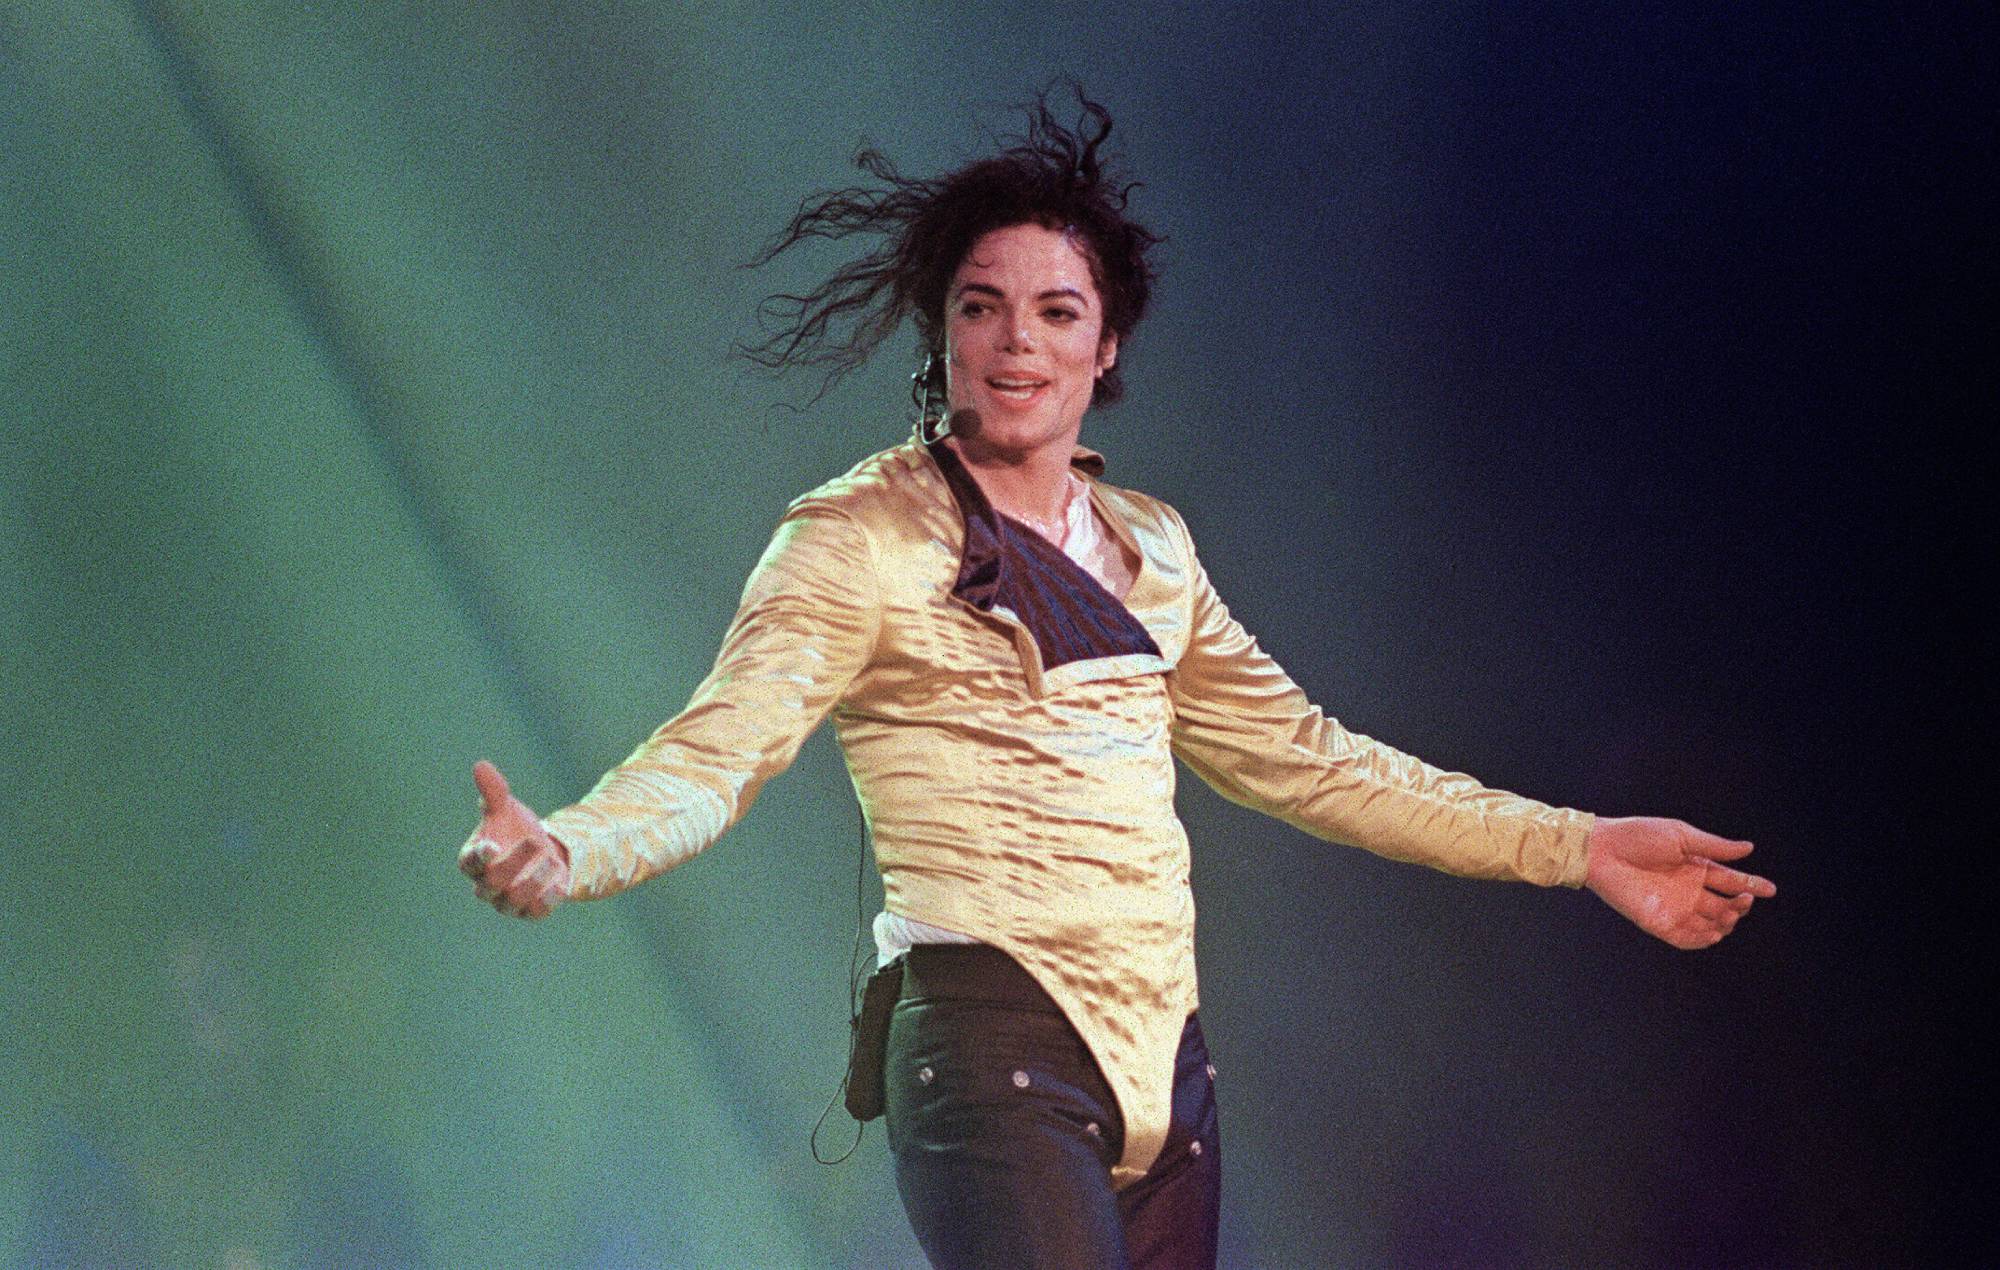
(1589, 397)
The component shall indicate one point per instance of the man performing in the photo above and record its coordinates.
(1014, 652)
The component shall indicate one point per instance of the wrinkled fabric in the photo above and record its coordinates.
(1028, 806)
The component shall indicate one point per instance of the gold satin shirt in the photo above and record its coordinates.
(1030, 808)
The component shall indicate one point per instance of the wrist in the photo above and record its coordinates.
(562, 851)
(1598, 853)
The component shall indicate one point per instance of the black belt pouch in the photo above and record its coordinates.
(870, 1047)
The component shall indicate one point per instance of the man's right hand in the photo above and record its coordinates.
(513, 863)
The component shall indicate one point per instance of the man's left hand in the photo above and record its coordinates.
(1670, 878)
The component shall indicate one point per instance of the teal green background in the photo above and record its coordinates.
(369, 410)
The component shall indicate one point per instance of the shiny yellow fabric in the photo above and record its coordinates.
(1030, 809)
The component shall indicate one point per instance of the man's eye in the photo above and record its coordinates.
(1061, 315)
(972, 308)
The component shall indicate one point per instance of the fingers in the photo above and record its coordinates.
(508, 864)
(1720, 908)
(534, 901)
(1713, 917)
(1727, 881)
(478, 855)
(1708, 846)
(543, 904)
(536, 880)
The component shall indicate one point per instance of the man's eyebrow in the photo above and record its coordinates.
(1056, 293)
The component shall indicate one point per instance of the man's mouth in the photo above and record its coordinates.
(1016, 388)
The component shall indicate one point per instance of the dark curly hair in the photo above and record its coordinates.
(1053, 176)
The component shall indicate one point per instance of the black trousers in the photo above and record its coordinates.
(1004, 1130)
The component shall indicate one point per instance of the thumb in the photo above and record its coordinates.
(493, 789)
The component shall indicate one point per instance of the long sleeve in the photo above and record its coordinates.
(806, 625)
(1245, 728)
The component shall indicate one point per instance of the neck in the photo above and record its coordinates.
(1033, 486)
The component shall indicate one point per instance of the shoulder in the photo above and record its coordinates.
(866, 521)
(828, 538)
(883, 485)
